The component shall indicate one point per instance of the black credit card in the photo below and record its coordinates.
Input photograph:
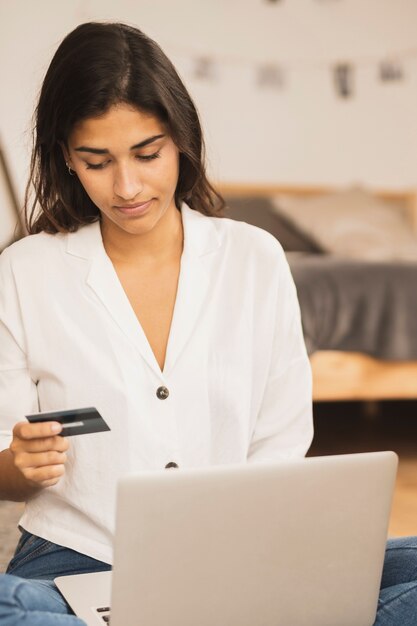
(74, 422)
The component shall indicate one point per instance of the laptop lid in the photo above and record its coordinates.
(291, 543)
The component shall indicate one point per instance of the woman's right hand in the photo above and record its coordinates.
(39, 452)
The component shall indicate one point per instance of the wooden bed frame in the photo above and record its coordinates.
(350, 375)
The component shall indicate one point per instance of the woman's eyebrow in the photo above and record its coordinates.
(141, 144)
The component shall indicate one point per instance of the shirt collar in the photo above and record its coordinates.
(201, 236)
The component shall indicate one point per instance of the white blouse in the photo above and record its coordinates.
(236, 370)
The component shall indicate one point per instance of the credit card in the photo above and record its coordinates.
(74, 422)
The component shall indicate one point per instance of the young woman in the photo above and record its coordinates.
(132, 295)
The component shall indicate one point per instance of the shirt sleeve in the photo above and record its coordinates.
(18, 392)
(284, 425)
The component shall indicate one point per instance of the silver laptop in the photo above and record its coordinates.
(294, 543)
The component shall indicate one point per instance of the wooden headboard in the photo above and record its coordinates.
(405, 200)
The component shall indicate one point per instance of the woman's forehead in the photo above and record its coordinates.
(122, 124)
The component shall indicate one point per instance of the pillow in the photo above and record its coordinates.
(351, 224)
(260, 212)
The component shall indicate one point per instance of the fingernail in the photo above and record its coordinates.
(56, 427)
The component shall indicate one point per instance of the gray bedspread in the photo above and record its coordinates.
(368, 307)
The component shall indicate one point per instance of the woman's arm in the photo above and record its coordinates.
(284, 425)
(32, 456)
(13, 485)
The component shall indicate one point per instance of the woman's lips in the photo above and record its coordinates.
(135, 209)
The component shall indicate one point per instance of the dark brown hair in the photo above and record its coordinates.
(96, 66)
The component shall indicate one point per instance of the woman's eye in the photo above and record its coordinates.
(140, 157)
(99, 166)
(148, 157)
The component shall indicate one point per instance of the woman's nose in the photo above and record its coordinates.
(127, 182)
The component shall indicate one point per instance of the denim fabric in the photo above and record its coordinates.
(28, 595)
(33, 603)
(38, 558)
(397, 604)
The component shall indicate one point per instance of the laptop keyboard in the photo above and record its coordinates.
(104, 614)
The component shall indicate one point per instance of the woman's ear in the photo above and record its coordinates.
(65, 152)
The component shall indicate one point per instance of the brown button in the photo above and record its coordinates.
(170, 464)
(162, 393)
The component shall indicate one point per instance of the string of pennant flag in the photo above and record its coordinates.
(273, 75)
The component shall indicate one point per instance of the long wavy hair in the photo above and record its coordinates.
(96, 66)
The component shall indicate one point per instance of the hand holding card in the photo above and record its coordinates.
(74, 422)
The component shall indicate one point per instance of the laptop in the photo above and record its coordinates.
(290, 543)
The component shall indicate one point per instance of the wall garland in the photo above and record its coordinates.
(274, 75)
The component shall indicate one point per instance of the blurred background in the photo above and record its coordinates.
(310, 115)
(310, 91)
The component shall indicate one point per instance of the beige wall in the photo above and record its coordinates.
(303, 133)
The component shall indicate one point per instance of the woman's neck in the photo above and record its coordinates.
(161, 244)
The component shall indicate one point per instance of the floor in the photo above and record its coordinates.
(9, 533)
(339, 428)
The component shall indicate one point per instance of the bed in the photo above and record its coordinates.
(359, 310)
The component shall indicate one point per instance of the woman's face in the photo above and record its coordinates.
(128, 165)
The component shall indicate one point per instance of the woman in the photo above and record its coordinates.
(132, 296)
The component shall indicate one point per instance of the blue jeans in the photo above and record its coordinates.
(28, 596)
(397, 605)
